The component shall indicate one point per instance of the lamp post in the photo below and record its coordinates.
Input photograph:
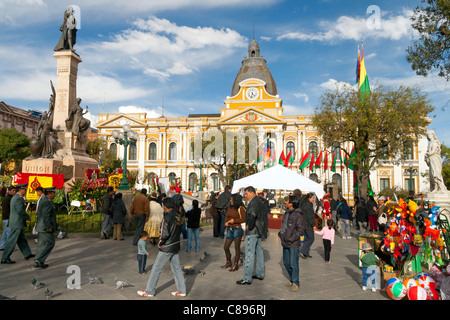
(200, 165)
(125, 138)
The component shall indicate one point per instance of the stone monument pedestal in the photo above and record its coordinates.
(441, 200)
(72, 160)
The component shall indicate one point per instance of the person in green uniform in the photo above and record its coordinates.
(46, 227)
(17, 221)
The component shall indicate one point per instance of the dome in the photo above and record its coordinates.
(254, 66)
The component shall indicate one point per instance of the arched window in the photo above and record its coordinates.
(337, 180)
(152, 151)
(113, 148)
(313, 148)
(172, 151)
(314, 177)
(290, 148)
(192, 180)
(132, 152)
(172, 177)
(336, 149)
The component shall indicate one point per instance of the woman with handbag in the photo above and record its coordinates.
(234, 218)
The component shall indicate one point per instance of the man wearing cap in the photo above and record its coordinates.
(107, 218)
(140, 211)
(17, 221)
(6, 208)
(45, 226)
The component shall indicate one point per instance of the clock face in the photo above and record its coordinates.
(252, 93)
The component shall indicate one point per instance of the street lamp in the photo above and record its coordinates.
(125, 138)
(200, 166)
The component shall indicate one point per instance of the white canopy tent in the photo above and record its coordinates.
(279, 178)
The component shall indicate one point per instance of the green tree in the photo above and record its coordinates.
(445, 153)
(379, 126)
(432, 49)
(15, 148)
(95, 147)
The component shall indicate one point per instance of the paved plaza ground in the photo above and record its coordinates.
(111, 259)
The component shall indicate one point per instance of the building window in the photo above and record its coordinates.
(113, 148)
(409, 152)
(192, 181)
(132, 152)
(409, 184)
(290, 148)
(336, 149)
(385, 183)
(215, 181)
(313, 148)
(152, 151)
(172, 178)
(337, 180)
(314, 177)
(172, 151)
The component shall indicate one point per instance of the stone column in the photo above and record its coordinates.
(66, 86)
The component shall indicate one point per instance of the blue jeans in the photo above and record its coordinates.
(142, 261)
(368, 274)
(5, 235)
(307, 243)
(290, 260)
(160, 262)
(190, 232)
(253, 246)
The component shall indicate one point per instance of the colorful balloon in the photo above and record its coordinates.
(432, 294)
(410, 282)
(417, 293)
(427, 282)
(396, 291)
(392, 280)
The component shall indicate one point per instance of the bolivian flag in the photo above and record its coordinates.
(363, 82)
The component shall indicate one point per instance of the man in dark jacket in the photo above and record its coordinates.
(6, 207)
(307, 210)
(17, 221)
(222, 204)
(291, 230)
(107, 218)
(46, 227)
(256, 229)
(169, 247)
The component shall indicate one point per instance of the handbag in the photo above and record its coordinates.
(34, 231)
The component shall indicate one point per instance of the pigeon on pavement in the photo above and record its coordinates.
(48, 293)
(122, 284)
(93, 279)
(37, 284)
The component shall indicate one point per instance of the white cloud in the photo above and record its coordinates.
(161, 49)
(333, 84)
(356, 28)
(301, 95)
(151, 113)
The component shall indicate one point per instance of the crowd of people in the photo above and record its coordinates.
(165, 221)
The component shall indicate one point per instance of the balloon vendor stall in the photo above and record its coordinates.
(417, 242)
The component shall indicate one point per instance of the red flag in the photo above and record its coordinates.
(286, 161)
(311, 165)
(318, 160)
(325, 164)
(304, 162)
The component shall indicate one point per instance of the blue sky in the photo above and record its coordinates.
(186, 53)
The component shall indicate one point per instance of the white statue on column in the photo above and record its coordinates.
(434, 161)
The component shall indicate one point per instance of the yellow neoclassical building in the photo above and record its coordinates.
(165, 145)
